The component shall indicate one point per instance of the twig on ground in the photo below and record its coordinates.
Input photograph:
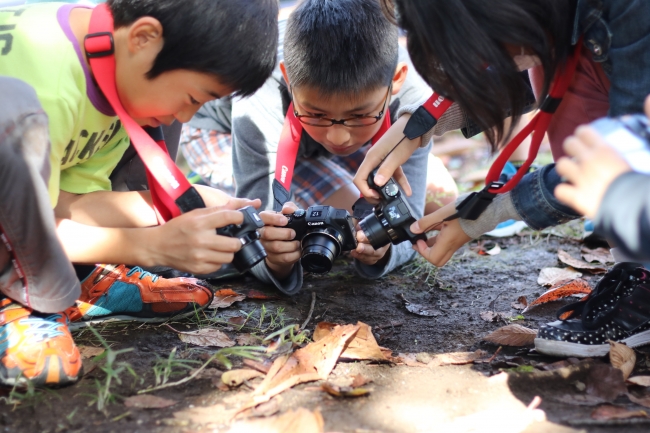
(388, 325)
(311, 311)
(495, 355)
(182, 381)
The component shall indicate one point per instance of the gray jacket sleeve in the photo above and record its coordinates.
(415, 170)
(624, 215)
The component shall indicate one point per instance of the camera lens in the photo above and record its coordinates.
(318, 252)
(375, 232)
(251, 253)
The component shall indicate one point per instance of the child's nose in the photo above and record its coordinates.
(186, 114)
(338, 135)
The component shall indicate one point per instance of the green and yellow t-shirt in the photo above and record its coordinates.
(87, 139)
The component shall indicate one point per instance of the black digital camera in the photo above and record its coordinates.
(324, 232)
(391, 219)
(252, 252)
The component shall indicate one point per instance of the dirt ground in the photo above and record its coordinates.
(402, 399)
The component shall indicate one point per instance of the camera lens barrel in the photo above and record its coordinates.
(318, 252)
(375, 231)
(252, 252)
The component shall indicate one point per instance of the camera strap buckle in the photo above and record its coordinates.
(475, 204)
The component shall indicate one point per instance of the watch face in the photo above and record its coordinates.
(391, 189)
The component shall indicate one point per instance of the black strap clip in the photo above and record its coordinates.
(280, 195)
(420, 122)
(109, 47)
(475, 204)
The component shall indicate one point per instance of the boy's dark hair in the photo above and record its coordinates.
(340, 46)
(459, 48)
(235, 40)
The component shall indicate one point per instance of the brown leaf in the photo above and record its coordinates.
(235, 378)
(600, 255)
(409, 359)
(359, 380)
(299, 421)
(641, 401)
(607, 412)
(224, 298)
(622, 357)
(512, 335)
(344, 391)
(579, 264)
(605, 381)
(457, 358)
(639, 380)
(362, 347)
(492, 316)
(521, 303)
(147, 401)
(248, 340)
(206, 337)
(87, 352)
(574, 287)
(313, 362)
(256, 294)
(237, 320)
(257, 365)
(551, 276)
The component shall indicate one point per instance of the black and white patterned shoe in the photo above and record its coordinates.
(618, 309)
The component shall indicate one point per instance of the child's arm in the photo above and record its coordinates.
(188, 242)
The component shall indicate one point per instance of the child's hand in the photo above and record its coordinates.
(283, 251)
(592, 169)
(439, 249)
(365, 253)
(216, 198)
(391, 166)
(190, 242)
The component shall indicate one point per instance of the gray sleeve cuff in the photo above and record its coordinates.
(501, 209)
(453, 119)
(289, 286)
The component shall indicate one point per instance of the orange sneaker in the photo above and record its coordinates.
(36, 347)
(116, 293)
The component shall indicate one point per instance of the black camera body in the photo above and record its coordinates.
(325, 232)
(391, 219)
(252, 252)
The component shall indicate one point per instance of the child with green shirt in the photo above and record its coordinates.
(171, 57)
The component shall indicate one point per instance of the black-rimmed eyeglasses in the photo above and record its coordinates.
(352, 122)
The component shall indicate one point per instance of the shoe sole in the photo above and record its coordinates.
(74, 326)
(506, 232)
(565, 349)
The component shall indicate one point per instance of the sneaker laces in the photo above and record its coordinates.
(597, 307)
(43, 327)
(143, 274)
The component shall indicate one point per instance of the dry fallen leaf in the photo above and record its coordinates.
(622, 357)
(607, 412)
(362, 347)
(235, 378)
(87, 352)
(409, 359)
(262, 366)
(312, 362)
(641, 401)
(512, 335)
(521, 303)
(299, 421)
(237, 320)
(359, 380)
(551, 276)
(639, 380)
(147, 401)
(600, 255)
(579, 264)
(578, 286)
(248, 340)
(491, 316)
(224, 298)
(344, 391)
(605, 381)
(206, 337)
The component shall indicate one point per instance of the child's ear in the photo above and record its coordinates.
(401, 71)
(283, 69)
(146, 32)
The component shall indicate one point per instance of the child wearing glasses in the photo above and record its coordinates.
(342, 68)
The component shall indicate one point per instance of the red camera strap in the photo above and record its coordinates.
(288, 152)
(170, 190)
(437, 105)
